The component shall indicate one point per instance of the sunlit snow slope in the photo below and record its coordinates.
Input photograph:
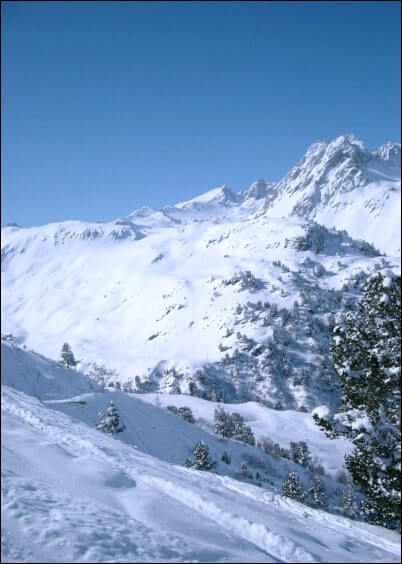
(202, 293)
(72, 494)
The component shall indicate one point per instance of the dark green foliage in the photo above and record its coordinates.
(231, 426)
(202, 460)
(366, 355)
(246, 474)
(300, 453)
(269, 447)
(222, 423)
(188, 463)
(316, 494)
(186, 414)
(242, 432)
(109, 422)
(67, 356)
(183, 412)
(349, 505)
(226, 458)
(292, 487)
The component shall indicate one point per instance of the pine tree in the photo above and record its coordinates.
(67, 356)
(188, 463)
(292, 487)
(246, 474)
(225, 457)
(300, 453)
(222, 423)
(366, 355)
(109, 422)
(186, 414)
(316, 494)
(348, 503)
(296, 313)
(202, 460)
(240, 431)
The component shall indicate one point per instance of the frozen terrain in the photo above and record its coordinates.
(226, 299)
(73, 494)
(339, 183)
(202, 293)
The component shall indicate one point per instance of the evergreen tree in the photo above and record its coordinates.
(316, 494)
(186, 414)
(226, 457)
(296, 313)
(109, 422)
(240, 431)
(188, 463)
(67, 356)
(348, 503)
(222, 423)
(246, 474)
(300, 453)
(202, 460)
(366, 355)
(292, 487)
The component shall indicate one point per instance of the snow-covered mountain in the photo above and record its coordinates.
(228, 298)
(73, 494)
(339, 183)
(201, 296)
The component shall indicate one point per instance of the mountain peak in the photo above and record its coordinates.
(347, 140)
(220, 195)
(390, 152)
(340, 182)
(257, 190)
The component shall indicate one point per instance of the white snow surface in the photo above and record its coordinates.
(281, 426)
(72, 494)
(166, 295)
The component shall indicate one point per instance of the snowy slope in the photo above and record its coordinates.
(281, 426)
(202, 292)
(339, 183)
(180, 298)
(70, 493)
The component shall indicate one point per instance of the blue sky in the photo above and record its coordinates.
(110, 106)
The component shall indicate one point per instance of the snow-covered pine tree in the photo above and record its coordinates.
(67, 356)
(300, 453)
(366, 355)
(349, 505)
(240, 431)
(202, 460)
(188, 463)
(186, 414)
(316, 494)
(292, 487)
(109, 422)
(222, 423)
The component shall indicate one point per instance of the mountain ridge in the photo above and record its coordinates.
(203, 296)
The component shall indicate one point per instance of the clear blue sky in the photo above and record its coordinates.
(109, 106)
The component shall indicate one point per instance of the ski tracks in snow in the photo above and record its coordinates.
(279, 547)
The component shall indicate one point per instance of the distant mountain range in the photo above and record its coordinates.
(200, 296)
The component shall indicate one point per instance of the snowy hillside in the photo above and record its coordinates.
(72, 493)
(226, 295)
